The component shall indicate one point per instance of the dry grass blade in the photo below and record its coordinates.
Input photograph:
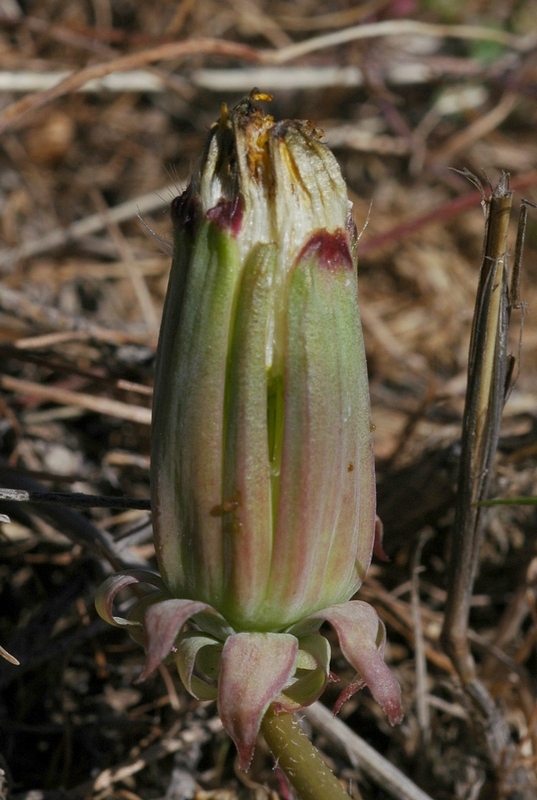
(379, 769)
(422, 701)
(101, 405)
(73, 499)
(71, 523)
(401, 27)
(144, 204)
(45, 316)
(444, 213)
(13, 114)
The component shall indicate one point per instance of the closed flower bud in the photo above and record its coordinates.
(262, 467)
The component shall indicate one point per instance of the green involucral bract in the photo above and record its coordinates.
(262, 472)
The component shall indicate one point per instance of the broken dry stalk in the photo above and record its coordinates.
(489, 371)
(485, 395)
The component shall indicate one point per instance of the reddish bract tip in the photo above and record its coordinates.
(332, 250)
(228, 214)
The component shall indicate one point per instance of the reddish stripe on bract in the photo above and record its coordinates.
(228, 214)
(332, 249)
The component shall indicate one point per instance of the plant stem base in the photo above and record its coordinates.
(299, 759)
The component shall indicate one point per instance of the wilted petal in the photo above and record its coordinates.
(104, 600)
(361, 637)
(162, 624)
(255, 668)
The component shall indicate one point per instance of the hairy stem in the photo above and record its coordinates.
(299, 759)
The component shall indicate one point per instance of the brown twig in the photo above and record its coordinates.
(59, 237)
(131, 267)
(15, 302)
(477, 130)
(401, 27)
(378, 768)
(442, 214)
(100, 405)
(11, 116)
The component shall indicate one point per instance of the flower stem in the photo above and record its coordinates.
(299, 759)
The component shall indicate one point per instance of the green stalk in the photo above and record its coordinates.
(299, 759)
